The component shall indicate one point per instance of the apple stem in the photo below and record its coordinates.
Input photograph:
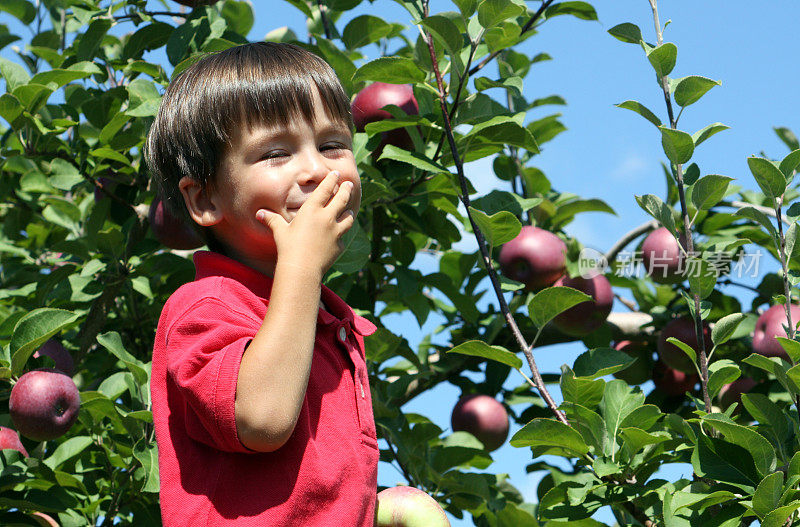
(687, 228)
(487, 260)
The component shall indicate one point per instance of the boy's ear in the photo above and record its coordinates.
(199, 203)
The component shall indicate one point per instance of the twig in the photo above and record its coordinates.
(698, 323)
(487, 260)
(628, 237)
(325, 21)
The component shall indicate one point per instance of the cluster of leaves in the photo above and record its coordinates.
(77, 262)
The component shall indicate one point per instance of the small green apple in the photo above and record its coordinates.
(404, 506)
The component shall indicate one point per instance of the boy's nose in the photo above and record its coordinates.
(314, 169)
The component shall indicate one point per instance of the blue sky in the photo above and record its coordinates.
(614, 154)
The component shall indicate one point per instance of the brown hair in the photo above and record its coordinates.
(248, 85)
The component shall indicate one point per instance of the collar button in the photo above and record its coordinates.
(342, 334)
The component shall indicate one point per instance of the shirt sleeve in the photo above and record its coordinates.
(204, 352)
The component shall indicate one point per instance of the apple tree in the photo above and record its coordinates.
(88, 257)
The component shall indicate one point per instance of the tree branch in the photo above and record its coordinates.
(628, 237)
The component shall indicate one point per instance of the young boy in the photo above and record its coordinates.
(261, 400)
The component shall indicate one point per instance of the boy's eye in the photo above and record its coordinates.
(334, 146)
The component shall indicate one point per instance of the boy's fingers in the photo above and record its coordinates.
(269, 219)
(342, 198)
(322, 194)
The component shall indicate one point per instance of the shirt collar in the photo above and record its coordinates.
(209, 263)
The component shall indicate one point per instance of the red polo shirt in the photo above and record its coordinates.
(326, 474)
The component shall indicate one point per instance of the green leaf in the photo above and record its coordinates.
(789, 164)
(568, 210)
(63, 174)
(498, 228)
(503, 36)
(788, 137)
(762, 451)
(659, 210)
(89, 43)
(663, 57)
(492, 12)
(412, 158)
(446, 31)
(238, 15)
(10, 107)
(768, 176)
(355, 255)
(709, 190)
(689, 90)
(702, 276)
(767, 413)
(581, 390)
(550, 302)
(147, 454)
(148, 37)
(549, 432)
(704, 133)
(601, 361)
(641, 109)
(393, 70)
(778, 517)
(67, 450)
(21, 9)
(775, 366)
(684, 348)
(792, 347)
(364, 30)
(768, 494)
(725, 327)
(627, 32)
(634, 439)
(62, 77)
(582, 10)
(720, 373)
(477, 348)
(113, 343)
(619, 401)
(678, 146)
(14, 74)
(32, 330)
(759, 217)
(467, 7)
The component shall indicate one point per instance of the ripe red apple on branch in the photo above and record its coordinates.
(44, 404)
(683, 330)
(732, 392)
(367, 108)
(662, 257)
(672, 382)
(10, 439)
(404, 506)
(583, 318)
(482, 416)
(535, 257)
(770, 324)
(642, 369)
(170, 230)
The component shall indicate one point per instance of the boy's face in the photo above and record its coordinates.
(277, 169)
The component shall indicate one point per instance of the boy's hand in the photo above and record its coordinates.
(312, 238)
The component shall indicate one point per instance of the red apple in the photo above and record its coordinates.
(641, 370)
(683, 330)
(662, 257)
(10, 439)
(44, 404)
(171, 231)
(536, 257)
(62, 358)
(770, 325)
(732, 392)
(404, 506)
(367, 108)
(483, 417)
(671, 381)
(586, 317)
